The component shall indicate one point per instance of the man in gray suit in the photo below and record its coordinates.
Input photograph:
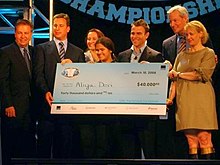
(18, 136)
(138, 132)
(58, 130)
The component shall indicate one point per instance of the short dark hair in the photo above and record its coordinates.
(143, 23)
(24, 22)
(63, 15)
(107, 42)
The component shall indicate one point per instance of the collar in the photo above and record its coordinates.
(141, 49)
(22, 49)
(58, 41)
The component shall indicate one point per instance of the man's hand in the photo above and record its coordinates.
(66, 61)
(10, 112)
(49, 98)
(144, 62)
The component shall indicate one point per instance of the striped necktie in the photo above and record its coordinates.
(182, 45)
(61, 51)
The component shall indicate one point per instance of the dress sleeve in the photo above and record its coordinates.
(206, 69)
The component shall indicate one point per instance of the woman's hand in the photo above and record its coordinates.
(168, 62)
(173, 74)
(169, 102)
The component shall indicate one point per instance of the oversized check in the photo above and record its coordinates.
(113, 88)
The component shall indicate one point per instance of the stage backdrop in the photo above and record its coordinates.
(114, 17)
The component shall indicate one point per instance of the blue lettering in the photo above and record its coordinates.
(157, 15)
(191, 8)
(167, 8)
(203, 6)
(147, 15)
(217, 2)
(113, 12)
(134, 13)
(80, 5)
(125, 14)
(98, 7)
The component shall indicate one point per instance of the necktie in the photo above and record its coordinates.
(182, 45)
(61, 51)
(27, 60)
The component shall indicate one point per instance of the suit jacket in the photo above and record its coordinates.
(148, 54)
(15, 80)
(169, 48)
(47, 57)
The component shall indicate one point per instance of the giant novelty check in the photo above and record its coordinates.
(115, 88)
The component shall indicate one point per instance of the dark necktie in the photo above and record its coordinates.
(61, 51)
(27, 60)
(182, 45)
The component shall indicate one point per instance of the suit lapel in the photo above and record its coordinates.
(69, 51)
(172, 47)
(172, 44)
(145, 54)
(19, 56)
(52, 50)
(128, 56)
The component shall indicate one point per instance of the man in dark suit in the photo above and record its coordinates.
(54, 130)
(176, 145)
(18, 135)
(138, 132)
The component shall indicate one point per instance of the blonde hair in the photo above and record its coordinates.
(63, 15)
(199, 27)
(182, 11)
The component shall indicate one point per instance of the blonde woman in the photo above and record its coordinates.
(192, 87)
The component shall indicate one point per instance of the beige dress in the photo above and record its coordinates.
(196, 108)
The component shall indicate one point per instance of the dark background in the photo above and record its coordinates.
(118, 32)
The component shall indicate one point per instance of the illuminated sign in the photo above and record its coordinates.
(127, 14)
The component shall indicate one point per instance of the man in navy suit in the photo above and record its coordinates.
(138, 132)
(175, 145)
(18, 133)
(55, 130)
